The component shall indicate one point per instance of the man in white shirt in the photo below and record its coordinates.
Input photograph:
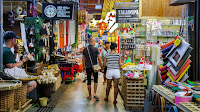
(103, 53)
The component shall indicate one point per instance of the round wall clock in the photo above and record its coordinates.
(50, 11)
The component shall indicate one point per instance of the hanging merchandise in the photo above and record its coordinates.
(103, 25)
(31, 30)
(176, 62)
(43, 30)
(34, 25)
(71, 32)
(11, 17)
(128, 60)
(100, 32)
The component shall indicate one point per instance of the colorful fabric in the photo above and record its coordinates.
(163, 68)
(165, 63)
(163, 72)
(165, 54)
(167, 49)
(184, 59)
(167, 45)
(182, 71)
(176, 57)
(164, 77)
(180, 77)
(170, 76)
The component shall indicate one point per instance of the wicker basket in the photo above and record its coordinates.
(20, 95)
(7, 94)
(7, 100)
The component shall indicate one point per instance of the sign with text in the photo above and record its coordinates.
(127, 15)
(57, 11)
(145, 65)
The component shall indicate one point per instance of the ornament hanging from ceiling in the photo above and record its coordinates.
(100, 32)
(103, 25)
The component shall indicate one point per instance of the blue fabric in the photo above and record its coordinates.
(173, 109)
(28, 84)
(167, 49)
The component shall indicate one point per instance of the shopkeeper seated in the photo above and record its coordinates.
(9, 58)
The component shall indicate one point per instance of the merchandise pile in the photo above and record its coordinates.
(176, 57)
(131, 70)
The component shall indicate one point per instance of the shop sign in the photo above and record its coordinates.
(57, 11)
(127, 15)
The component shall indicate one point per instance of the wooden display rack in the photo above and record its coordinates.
(190, 106)
(165, 92)
(133, 93)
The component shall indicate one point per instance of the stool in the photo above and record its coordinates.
(67, 69)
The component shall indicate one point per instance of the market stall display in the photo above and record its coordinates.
(176, 63)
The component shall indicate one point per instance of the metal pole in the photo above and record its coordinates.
(1, 35)
(197, 40)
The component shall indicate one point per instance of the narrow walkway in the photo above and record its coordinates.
(75, 99)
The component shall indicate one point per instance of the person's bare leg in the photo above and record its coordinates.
(116, 82)
(95, 89)
(109, 81)
(32, 85)
(104, 76)
(89, 91)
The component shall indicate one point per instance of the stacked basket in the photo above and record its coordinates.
(20, 95)
(133, 92)
(7, 94)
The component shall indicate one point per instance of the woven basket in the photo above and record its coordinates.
(7, 93)
(20, 94)
(7, 100)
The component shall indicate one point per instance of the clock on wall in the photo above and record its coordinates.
(50, 11)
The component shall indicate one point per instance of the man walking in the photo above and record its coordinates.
(87, 65)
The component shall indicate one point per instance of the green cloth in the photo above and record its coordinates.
(165, 54)
(8, 56)
(165, 63)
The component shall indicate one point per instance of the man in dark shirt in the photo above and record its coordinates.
(87, 65)
(9, 58)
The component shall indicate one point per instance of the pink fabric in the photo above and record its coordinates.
(163, 68)
(184, 67)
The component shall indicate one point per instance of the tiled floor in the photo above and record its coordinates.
(75, 99)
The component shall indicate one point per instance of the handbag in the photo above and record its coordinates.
(96, 67)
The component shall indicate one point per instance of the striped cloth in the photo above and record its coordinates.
(113, 60)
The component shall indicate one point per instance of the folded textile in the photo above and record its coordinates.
(168, 80)
(177, 71)
(170, 76)
(163, 68)
(165, 59)
(163, 72)
(180, 77)
(167, 49)
(185, 57)
(184, 78)
(164, 77)
(176, 57)
(181, 71)
(173, 71)
(165, 63)
(165, 54)
(167, 45)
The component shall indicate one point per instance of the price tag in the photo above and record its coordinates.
(145, 65)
